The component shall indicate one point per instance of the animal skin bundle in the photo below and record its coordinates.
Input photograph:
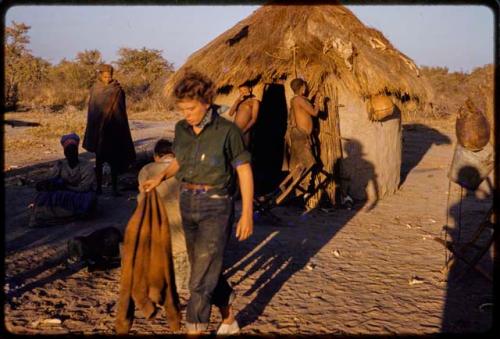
(147, 278)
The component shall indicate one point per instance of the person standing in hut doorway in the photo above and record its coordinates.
(246, 108)
(107, 133)
(299, 135)
(209, 151)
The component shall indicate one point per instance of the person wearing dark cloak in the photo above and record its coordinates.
(68, 193)
(107, 133)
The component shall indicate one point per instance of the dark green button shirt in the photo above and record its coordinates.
(210, 157)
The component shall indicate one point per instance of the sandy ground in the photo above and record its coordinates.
(338, 271)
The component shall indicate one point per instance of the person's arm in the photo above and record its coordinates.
(244, 229)
(55, 171)
(87, 182)
(255, 114)
(170, 171)
(306, 106)
(232, 110)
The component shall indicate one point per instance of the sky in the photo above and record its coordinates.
(458, 37)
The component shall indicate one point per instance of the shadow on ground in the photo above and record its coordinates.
(417, 139)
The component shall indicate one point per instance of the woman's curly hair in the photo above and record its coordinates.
(196, 86)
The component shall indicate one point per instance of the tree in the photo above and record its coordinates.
(142, 72)
(90, 58)
(86, 64)
(16, 40)
(146, 64)
(22, 69)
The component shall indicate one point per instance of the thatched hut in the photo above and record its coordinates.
(338, 56)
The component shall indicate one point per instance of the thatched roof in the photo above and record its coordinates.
(328, 41)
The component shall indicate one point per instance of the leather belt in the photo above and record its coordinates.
(196, 187)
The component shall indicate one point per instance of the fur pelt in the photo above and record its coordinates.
(147, 277)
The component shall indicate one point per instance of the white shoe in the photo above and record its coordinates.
(228, 329)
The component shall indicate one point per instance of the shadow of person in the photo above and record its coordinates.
(417, 139)
(20, 123)
(469, 295)
(274, 255)
(263, 264)
(62, 271)
(358, 175)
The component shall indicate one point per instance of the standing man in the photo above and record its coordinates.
(209, 151)
(246, 108)
(107, 133)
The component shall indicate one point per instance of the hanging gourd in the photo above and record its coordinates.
(472, 127)
(380, 107)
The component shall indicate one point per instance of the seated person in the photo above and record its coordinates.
(169, 191)
(69, 191)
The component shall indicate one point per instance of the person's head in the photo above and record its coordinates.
(245, 89)
(105, 72)
(162, 148)
(70, 144)
(194, 93)
(298, 86)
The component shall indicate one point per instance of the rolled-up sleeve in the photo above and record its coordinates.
(238, 154)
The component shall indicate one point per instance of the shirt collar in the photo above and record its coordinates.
(207, 119)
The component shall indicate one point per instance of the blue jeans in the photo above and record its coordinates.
(207, 220)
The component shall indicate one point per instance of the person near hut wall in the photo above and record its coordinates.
(69, 191)
(209, 152)
(245, 110)
(107, 133)
(299, 135)
(168, 191)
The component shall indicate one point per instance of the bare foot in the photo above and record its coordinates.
(193, 334)
(227, 314)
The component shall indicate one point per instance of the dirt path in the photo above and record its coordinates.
(346, 271)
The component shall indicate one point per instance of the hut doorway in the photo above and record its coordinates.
(268, 139)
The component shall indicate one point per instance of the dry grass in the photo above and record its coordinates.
(453, 88)
(17, 144)
(51, 127)
(54, 125)
(261, 48)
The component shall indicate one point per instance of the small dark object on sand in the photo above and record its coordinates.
(99, 250)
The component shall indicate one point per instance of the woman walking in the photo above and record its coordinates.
(209, 150)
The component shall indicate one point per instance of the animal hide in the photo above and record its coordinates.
(147, 278)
